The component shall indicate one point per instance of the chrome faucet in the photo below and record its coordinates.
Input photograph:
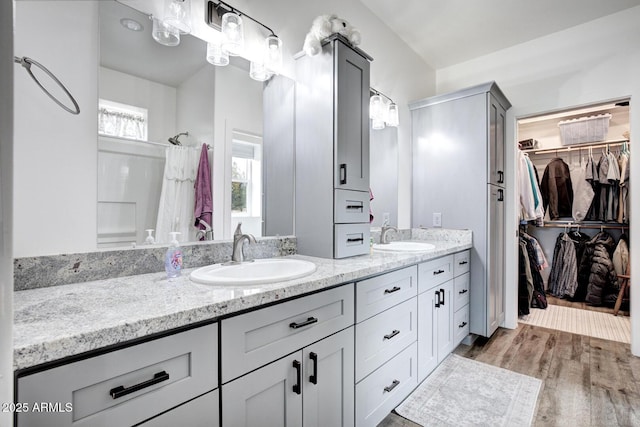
(383, 232)
(206, 234)
(238, 240)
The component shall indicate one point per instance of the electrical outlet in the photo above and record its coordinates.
(385, 217)
(437, 219)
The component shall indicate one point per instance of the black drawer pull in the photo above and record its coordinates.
(298, 367)
(352, 239)
(500, 177)
(442, 291)
(463, 262)
(313, 378)
(122, 391)
(343, 173)
(307, 322)
(435, 273)
(392, 290)
(500, 195)
(464, 291)
(351, 207)
(393, 385)
(437, 299)
(462, 325)
(392, 334)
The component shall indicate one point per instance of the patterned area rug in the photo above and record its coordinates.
(583, 322)
(463, 392)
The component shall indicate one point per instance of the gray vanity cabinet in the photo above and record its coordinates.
(458, 171)
(332, 151)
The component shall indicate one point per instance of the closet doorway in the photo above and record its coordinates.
(572, 187)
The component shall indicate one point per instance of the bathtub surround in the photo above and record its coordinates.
(54, 270)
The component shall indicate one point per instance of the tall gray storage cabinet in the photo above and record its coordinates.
(332, 151)
(458, 171)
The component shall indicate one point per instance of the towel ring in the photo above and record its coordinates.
(27, 62)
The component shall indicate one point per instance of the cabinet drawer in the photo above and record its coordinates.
(461, 291)
(351, 240)
(256, 338)
(385, 388)
(434, 272)
(460, 325)
(381, 337)
(379, 293)
(461, 263)
(351, 206)
(201, 412)
(168, 371)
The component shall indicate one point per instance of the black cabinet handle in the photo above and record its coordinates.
(463, 262)
(500, 177)
(307, 322)
(437, 299)
(343, 173)
(392, 290)
(462, 325)
(298, 367)
(122, 391)
(392, 334)
(435, 273)
(313, 378)
(355, 239)
(352, 207)
(500, 195)
(442, 302)
(393, 385)
(464, 291)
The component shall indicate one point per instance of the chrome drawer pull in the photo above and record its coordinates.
(462, 325)
(393, 385)
(122, 391)
(464, 291)
(307, 322)
(392, 334)
(392, 290)
(435, 273)
(463, 262)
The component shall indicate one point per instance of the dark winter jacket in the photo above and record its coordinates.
(556, 189)
(602, 277)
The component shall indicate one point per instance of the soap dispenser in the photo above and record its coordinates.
(173, 257)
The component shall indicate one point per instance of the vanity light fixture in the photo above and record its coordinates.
(164, 33)
(216, 55)
(381, 113)
(177, 13)
(228, 20)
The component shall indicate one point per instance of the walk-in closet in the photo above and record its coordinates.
(573, 190)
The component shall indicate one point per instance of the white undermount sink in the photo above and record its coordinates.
(257, 272)
(404, 246)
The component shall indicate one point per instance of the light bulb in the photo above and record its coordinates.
(273, 53)
(376, 108)
(392, 115)
(177, 13)
(232, 33)
(165, 34)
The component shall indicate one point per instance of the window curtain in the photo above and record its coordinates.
(120, 124)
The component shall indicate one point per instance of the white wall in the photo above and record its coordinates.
(6, 206)
(158, 99)
(590, 63)
(195, 112)
(54, 151)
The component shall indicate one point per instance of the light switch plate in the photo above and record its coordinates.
(437, 219)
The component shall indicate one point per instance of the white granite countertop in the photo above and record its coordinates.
(60, 321)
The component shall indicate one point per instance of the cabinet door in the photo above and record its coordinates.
(496, 142)
(427, 345)
(266, 397)
(495, 262)
(200, 412)
(328, 381)
(351, 115)
(444, 322)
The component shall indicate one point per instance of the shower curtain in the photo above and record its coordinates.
(175, 211)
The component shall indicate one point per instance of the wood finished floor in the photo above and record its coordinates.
(586, 381)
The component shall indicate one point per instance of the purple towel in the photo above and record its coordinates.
(204, 201)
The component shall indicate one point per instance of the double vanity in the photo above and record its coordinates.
(342, 345)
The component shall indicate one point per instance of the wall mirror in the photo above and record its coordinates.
(150, 93)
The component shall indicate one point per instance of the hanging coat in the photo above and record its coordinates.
(556, 188)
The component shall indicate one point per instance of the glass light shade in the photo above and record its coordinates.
(273, 53)
(232, 33)
(376, 108)
(177, 13)
(165, 34)
(377, 124)
(216, 55)
(392, 115)
(257, 71)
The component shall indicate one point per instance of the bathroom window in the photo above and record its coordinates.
(246, 176)
(122, 120)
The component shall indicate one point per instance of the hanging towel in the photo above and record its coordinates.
(203, 210)
(370, 211)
